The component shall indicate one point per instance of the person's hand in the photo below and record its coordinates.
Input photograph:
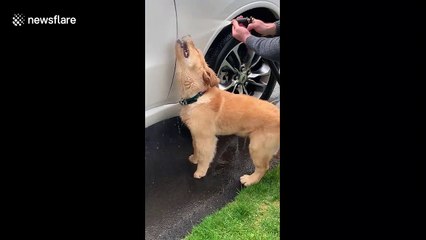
(239, 32)
(263, 28)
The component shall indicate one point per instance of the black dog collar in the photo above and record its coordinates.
(190, 100)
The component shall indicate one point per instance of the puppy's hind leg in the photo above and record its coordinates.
(204, 152)
(261, 148)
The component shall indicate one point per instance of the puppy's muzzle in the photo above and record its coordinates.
(184, 45)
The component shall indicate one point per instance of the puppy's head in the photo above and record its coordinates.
(192, 69)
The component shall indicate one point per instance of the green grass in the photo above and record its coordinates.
(254, 214)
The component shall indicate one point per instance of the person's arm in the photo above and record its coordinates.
(277, 28)
(268, 48)
(265, 29)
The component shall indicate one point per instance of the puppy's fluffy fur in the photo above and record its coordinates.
(219, 112)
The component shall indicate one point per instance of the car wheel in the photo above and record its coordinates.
(240, 69)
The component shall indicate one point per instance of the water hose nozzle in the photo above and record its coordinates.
(246, 21)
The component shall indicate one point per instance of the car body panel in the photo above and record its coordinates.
(160, 34)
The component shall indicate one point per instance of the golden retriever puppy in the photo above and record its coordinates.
(209, 112)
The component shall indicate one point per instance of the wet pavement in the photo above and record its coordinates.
(174, 200)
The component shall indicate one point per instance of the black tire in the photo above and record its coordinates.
(258, 85)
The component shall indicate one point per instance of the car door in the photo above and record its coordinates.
(160, 36)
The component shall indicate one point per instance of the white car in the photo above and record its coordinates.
(208, 22)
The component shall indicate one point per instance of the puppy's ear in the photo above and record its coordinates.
(210, 77)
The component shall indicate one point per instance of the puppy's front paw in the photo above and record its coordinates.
(248, 180)
(192, 159)
(199, 174)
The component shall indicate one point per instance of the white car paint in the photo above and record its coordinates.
(203, 20)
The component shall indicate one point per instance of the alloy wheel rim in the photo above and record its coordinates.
(243, 72)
